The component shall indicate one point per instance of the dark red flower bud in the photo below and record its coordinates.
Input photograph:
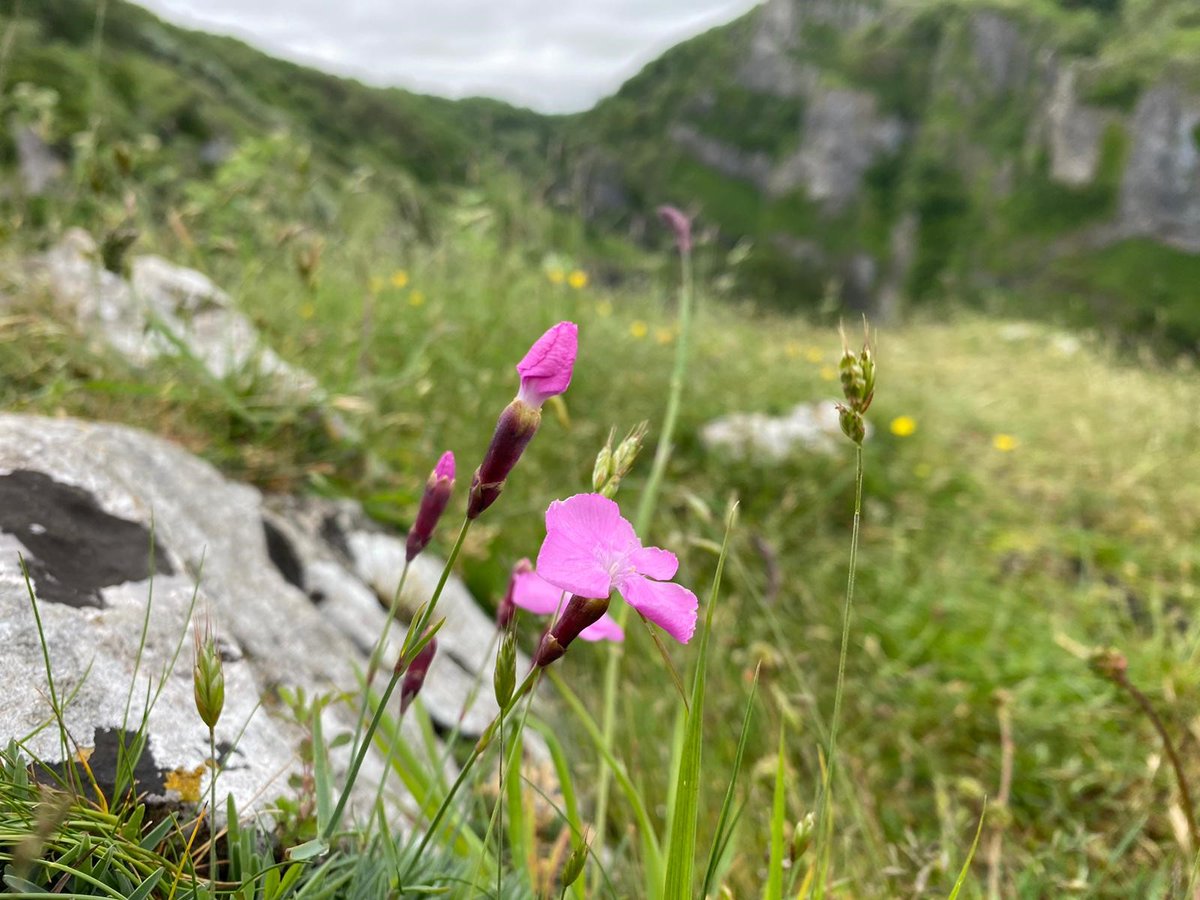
(580, 612)
(414, 677)
(507, 610)
(515, 429)
(438, 489)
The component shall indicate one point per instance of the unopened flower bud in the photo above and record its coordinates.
(515, 429)
(438, 489)
(852, 423)
(208, 676)
(1109, 663)
(802, 836)
(680, 224)
(507, 610)
(414, 675)
(504, 679)
(603, 470)
(573, 867)
(545, 372)
(579, 613)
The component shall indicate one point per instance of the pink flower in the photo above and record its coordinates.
(545, 371)
(680, 224)
(438, 488)
(590, 551)
(547, 367)
(414, 675)
(535, 594)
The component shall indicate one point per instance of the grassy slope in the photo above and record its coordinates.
(964, 141)
(981, 568)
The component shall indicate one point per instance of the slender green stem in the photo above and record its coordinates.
(645, 511)
(825, 821)
(212, 811)
(482, 744)
(415, 630)
(373, 659)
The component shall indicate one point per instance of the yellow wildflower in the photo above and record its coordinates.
(375, 284)
(1004, 442)
(400, 279)
(416, 298)
(556, 276)
(604, 309)
(814, 355)
(308, 310)
(903, 426)
(577, 279)
(638, 329)
(828, 373)
(664, 335)
(791, 350)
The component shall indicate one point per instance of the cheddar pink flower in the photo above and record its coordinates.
(547, 367)
(545, 371)
(438, 489)
(535, 594)
(590, 551)
(680, 224)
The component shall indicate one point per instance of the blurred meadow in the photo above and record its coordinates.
(1031, 494)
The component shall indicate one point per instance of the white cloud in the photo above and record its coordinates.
(551, 55)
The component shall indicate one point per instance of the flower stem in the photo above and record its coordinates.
(373, 659)
(645, 511)
(825, 820)
(1185, 794)
(415, 630)
(482, 744)
(212, 811)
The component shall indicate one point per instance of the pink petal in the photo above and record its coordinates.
(597, 519)
(604, 629)
(445, 466)
(568, 560)
(546, 369)
(535, 594)
(670, 606)
(654, 562)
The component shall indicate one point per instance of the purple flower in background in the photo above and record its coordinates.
(680, 224)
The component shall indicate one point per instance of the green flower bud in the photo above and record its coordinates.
(208, 677)
(852, 423)
(802, 836)
(504, 679)
(603, 470)
(575, 863)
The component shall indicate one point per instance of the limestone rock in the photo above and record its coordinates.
(108, 517)
(756, 436)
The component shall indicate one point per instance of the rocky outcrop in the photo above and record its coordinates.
(1160, 189)
(1073, 131)
(117, 527)
(843, 136)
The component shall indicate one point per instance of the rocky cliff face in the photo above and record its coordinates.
(916, 147)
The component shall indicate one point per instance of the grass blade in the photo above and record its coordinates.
(966, 868)
(774, 888)
(681, 852)
(724, 824)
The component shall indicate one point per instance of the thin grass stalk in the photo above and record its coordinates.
(645, 511)
(373, 659)
(825, 821)
(212, 814)
(482, 744)
(416, 628)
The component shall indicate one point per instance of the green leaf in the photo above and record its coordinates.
(966, 868)
(322, 783)
(308, 850)
(774, 888)
(724, 820)
(144, 889)
(681, 852)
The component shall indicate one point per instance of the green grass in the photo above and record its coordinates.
(984, 573)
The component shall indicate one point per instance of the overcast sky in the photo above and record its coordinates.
(551, 55)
